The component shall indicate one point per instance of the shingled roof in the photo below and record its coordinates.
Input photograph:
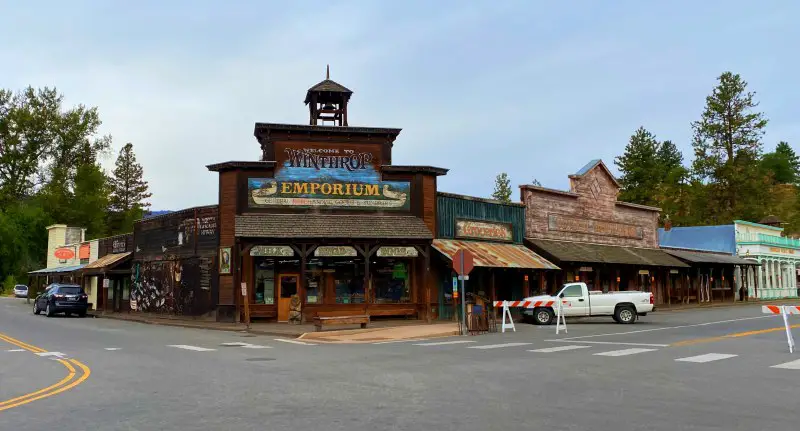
(331, 226)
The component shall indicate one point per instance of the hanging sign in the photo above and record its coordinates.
(644, 272)
(335, 251)
(272, 250)
(398, 252)
(244, 289)
(673, 271)
(585, 269)
(484, 230)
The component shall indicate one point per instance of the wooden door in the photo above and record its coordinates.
(287, 286)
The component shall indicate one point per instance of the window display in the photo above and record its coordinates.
(265, 281)
(348, 277)
(392, 281)
(315, 282)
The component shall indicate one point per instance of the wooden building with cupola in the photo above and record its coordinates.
(325, 215)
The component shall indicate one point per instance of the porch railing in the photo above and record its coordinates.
(768, 239)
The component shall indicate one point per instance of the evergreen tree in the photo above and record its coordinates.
(782, 164)
(502, 188)
(536, 183)
(727, 147)
(129, 191)
(639, 168)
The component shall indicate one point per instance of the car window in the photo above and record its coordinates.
(573, 291)
(70, 290)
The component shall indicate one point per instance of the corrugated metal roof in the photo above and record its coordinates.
(57, 270)
(567, 251)
(495, 255)
(587, 167)
(701, 257)
(720, 238)
(107, 261)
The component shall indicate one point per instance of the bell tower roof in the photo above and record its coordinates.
(327, 101)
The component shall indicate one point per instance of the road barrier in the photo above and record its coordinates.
(529, 304)
(785, 311)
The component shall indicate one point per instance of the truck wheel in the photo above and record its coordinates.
(543, 316)
(625, 315)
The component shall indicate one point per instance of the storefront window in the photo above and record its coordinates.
(392, 280)
(315, 281)
(265, 281)
(348, 280)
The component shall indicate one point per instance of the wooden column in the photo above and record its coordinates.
(526, 286)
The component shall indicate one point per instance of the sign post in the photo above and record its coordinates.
(463, 263)
(246, 305)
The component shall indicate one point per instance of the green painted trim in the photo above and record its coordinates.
(767, 244)
(749, 223)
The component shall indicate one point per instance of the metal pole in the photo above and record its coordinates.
(463, 298)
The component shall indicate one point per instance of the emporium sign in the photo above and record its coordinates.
(484, 230)
(593, 227)
(322, 176)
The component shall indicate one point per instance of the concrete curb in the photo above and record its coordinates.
(182, 324)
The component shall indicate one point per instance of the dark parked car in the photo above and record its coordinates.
(21, 291)
(62, 298)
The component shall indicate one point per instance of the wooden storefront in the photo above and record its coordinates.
(608, 244)
(325, 216)
(493, 231)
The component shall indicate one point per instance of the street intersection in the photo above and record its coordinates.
(707, 369)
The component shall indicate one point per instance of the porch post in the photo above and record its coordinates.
(427, 280)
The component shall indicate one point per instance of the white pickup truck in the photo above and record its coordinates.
(578, 301)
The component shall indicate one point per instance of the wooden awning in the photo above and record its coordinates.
(106, 263)
(581, 252)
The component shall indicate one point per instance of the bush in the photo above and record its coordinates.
(8, 284)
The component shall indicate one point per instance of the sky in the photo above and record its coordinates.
(532, 88)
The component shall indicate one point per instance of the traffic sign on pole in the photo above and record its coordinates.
(463, 263)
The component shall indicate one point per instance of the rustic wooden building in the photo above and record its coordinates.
(595, 238)
(174, 269)
(325, 215)
(107, 280)
(494, 232)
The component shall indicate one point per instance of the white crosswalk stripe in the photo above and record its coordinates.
(498, 346)
(112, 348)
(16, 350)
(302, 343)
(624, 352)
(245, 345)
(559, 349)
(792, 365)
(444, 343)
(193, 348)
(708, 357)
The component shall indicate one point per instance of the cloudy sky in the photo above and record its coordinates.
(532, 88)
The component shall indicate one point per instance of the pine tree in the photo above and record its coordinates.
(639, 168)
(502, 188)
(129, 191)
(727, 147)
(782, 164)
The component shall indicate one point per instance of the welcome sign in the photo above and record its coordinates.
(344, 176)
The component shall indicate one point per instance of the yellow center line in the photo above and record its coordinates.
(729, 336)
(65, 384)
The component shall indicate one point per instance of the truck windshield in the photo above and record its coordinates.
(573, 291)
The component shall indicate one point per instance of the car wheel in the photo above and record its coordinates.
(625, 315)
(36, 309)
(543, 316)
(48, 312)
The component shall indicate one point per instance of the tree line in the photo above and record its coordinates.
(50, 172)
(729, 178)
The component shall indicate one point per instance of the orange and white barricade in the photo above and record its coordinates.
(529, 304)
(785, 311)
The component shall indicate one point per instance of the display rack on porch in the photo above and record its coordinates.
(480, 315)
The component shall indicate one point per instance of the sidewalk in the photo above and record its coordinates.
(380, 330)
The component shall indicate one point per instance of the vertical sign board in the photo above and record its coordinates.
(246, 305)
(463, 262)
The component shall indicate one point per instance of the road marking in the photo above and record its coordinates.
(559, 349)
(256, 346)
(16, 350)
(613, 343)
(667, 328)
(194, 348)
(65, 384)
(48, 354)
(793, 365)
(729, 336)
(302, 343)
(498, 346)
(234, 344)
(708, 357)
(112, 348)
(444, 343)
(624, 352)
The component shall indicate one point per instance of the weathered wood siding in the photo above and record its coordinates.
(452, 207)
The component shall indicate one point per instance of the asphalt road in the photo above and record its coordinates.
(689, 370)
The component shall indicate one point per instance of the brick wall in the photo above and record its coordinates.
(592, 205)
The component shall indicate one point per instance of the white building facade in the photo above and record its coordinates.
(779, 257)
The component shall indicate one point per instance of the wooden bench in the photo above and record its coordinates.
(323, 318)
(408, 312)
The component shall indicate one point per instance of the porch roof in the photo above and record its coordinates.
(57, 270)
(568, 251)
(107, 262)
(495, 255)
(714, 258)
